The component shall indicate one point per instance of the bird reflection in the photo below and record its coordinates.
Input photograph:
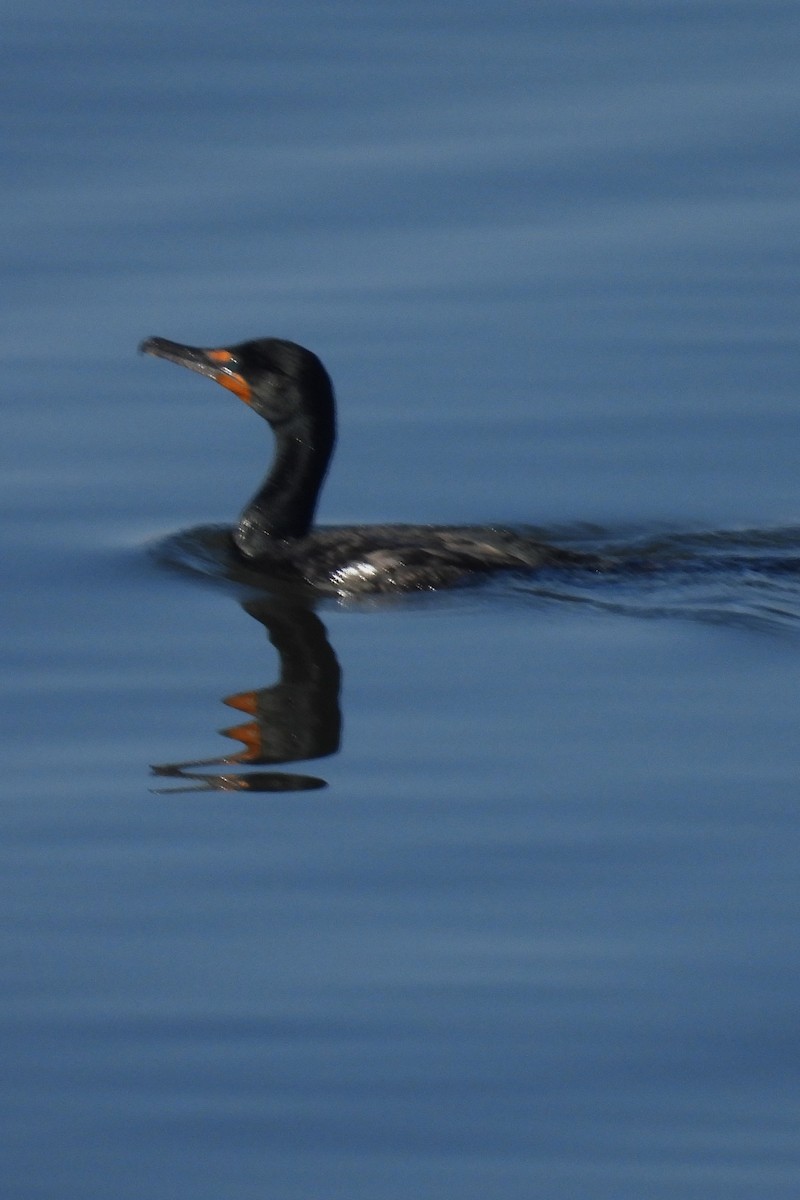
(296, 718)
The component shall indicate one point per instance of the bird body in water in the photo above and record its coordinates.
(289, 387)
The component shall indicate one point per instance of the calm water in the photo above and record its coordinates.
(538, 933)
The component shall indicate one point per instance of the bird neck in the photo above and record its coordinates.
(284, 506)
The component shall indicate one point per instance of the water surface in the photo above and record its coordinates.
(537, 935)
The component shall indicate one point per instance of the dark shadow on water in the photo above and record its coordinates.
(295, 719)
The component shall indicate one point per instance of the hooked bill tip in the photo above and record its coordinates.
(185, 356)
(153, 345)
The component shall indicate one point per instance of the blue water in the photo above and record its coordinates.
(537, 935)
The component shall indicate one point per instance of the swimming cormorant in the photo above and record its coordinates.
(288, 386)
